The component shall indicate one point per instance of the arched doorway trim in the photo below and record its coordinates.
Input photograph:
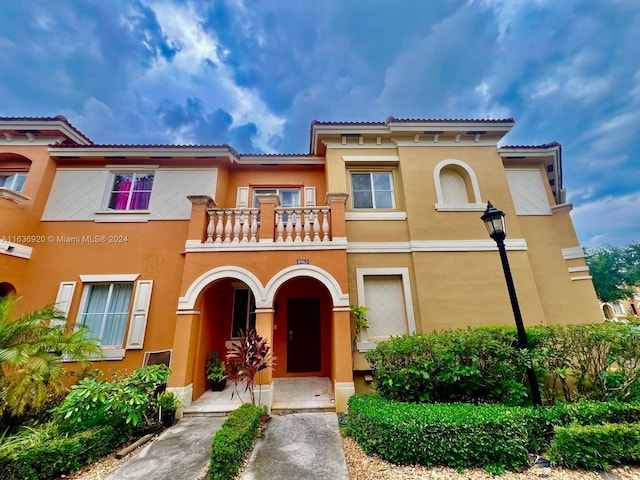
(229, 271)
(338, 298)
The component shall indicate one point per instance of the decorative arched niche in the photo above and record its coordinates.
(456, 187)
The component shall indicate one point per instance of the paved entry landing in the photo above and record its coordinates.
(299, 394)
(299, 446)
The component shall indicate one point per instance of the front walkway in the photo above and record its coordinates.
(300, 394)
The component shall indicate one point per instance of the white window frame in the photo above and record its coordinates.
(364, 344)
(110, 192)
(371, 173)
(11, 179)
(275, 191)
(109, 353)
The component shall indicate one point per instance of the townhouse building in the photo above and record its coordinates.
(173, 250)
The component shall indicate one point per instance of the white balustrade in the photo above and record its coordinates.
(293, 225)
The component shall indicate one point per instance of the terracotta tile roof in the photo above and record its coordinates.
(448, 120)
(60, 118)
(544, 146)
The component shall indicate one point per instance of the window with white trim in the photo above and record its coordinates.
(386, 292)
(105, 310)
(13, 181)
(372, 190)
(130, 191)
(244, 312)
(289, 197)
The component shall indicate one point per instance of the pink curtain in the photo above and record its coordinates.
(122, 188)
(141, 193)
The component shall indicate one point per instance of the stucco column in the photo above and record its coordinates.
(341, 361)
(264, 327)
(184, 344)
(199, 217)
(337, 201)
(268, 203)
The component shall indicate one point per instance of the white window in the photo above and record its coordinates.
(372, 190)
(12, 181)
(386, 292)
(244, 312)
(130, 191)
(617, 308)
(289, 197)
(105, 310)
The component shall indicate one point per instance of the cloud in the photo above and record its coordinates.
(609, 220)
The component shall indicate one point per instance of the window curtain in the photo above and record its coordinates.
(116, 315)
(120, 193)
(106, 311)
(95, 307)
(141, 192)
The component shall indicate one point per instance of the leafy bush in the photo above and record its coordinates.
(456, 435)
(234, 440)
(127, 400)
(44, 452)
(599, 362)
(477, 365)
(596, 446)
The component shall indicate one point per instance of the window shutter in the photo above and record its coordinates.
(309, 196)
(139, 314)
(242, 197)
(63, 300)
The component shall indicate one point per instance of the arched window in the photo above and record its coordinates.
(456, 187)
(13, 175)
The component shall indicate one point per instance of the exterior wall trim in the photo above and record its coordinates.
(516, 244)
(15, 250)
(572, 253)
(474, 185)
(339, 298)
(109, 278)
(375, 215)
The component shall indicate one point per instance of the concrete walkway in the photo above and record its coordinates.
(299, 446)
(295, 446)
(179, 453)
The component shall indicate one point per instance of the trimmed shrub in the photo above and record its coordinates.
(455, 435)
(234, 440)
(45, 453)
(596, 447)
(484, 364)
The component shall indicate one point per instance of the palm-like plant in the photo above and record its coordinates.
(248, 356)
(32, 350)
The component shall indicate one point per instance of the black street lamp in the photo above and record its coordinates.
(494, 221)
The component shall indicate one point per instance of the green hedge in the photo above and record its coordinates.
(40, 456)
(233, 441)
(484, 365)
(495, 437)
(456, 435)
(596, 446)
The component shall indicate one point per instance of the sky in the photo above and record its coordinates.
(255, 73)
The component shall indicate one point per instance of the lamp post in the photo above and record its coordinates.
(494, 221)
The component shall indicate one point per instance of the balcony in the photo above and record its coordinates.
(271, 228)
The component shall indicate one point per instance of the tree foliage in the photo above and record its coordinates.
(32, 351)
(614, 270)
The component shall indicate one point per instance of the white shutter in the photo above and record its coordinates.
(139, 314)
(242, 197)
(63, 300)
(528, 191)
(309, 196)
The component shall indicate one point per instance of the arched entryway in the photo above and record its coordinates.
(302, 329)
(6, 289)
(227, 308)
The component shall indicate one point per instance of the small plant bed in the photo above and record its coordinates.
(495, 437)
(233, 442)
(371, 467)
